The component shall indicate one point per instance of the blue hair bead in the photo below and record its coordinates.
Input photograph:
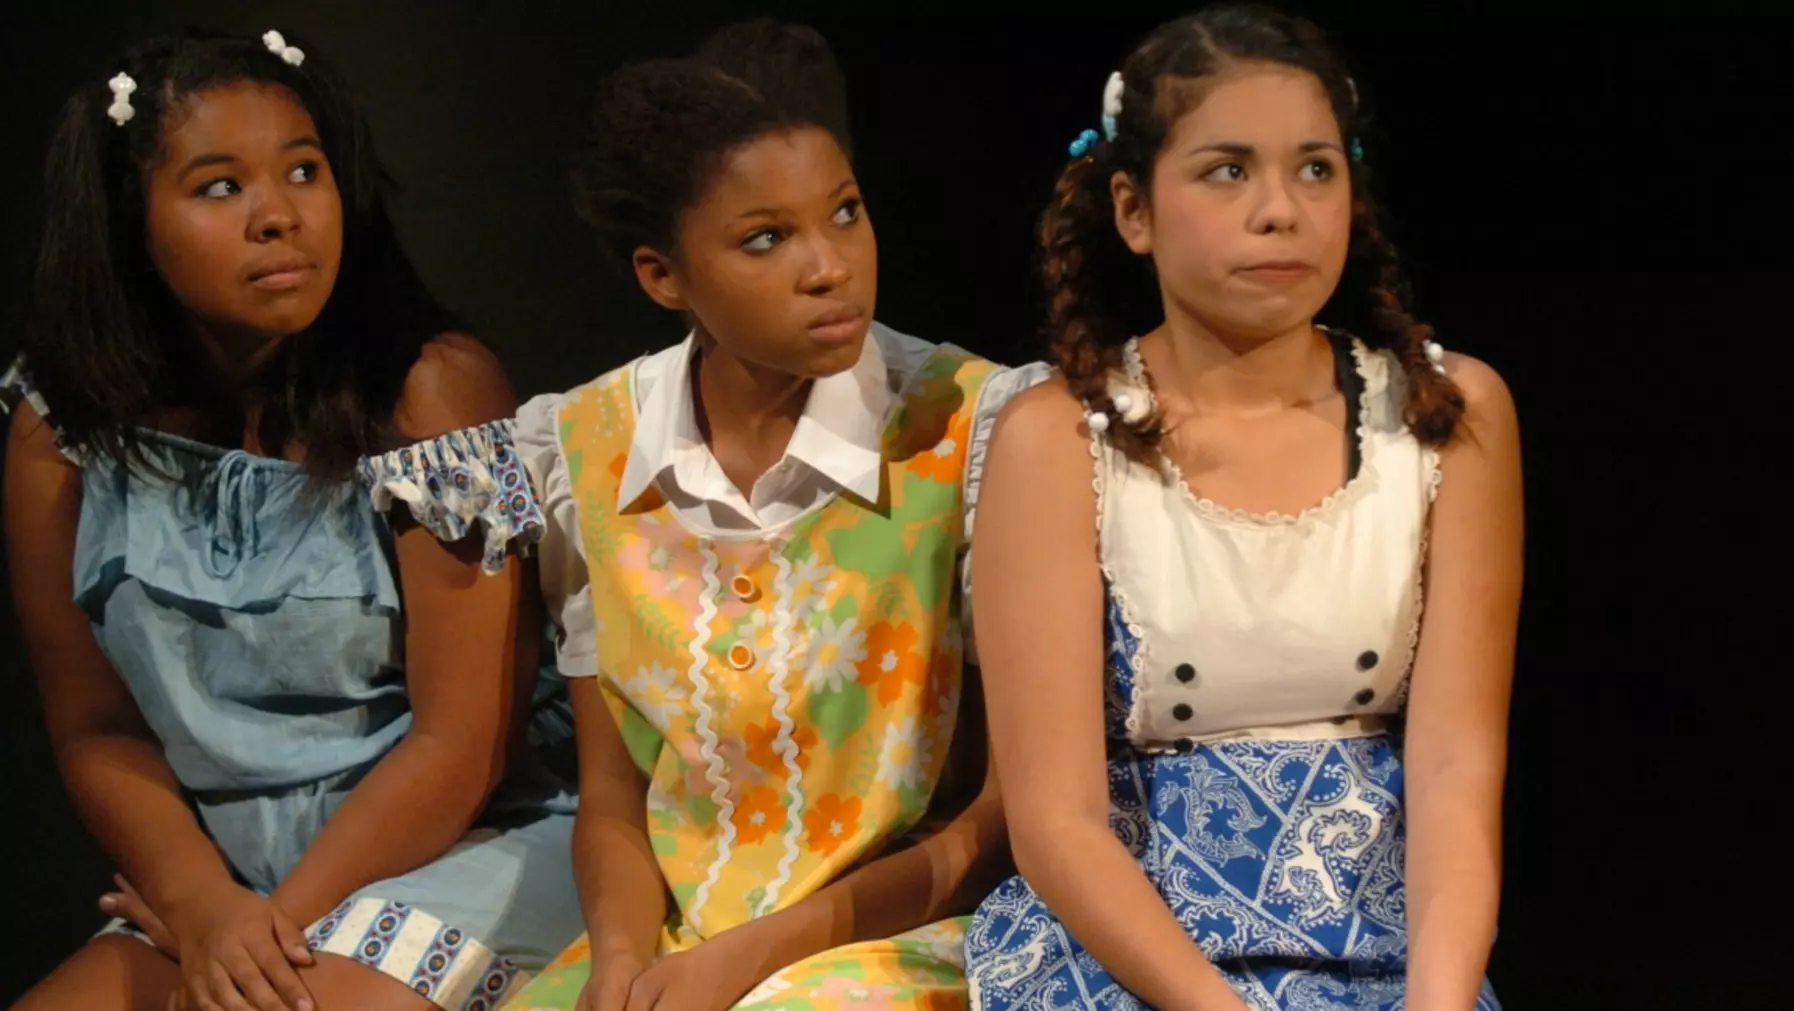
(1081, 147)
(1357, 149)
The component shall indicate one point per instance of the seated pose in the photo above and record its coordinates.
(307, 730)
(753, 550)
(1199, 564)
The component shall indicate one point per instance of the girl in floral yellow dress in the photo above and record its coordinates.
(754, 546)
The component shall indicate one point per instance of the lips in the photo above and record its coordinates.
(286, 272)
(1277, 271)
(838, 325)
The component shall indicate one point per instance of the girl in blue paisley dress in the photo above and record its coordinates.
(260, 513)
(1200, 557)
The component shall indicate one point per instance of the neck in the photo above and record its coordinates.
(233, 365)
(1221, 372)
(749, 401)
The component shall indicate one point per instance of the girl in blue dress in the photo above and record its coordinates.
(1199, 564)
(260, 512)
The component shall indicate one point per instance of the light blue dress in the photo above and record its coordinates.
(257, 620)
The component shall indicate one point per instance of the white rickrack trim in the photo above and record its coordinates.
(785, 744)
(714, 771)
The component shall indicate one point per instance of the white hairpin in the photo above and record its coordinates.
(1111, 104)
(277, 44)
(1436, 355)
(120, 110)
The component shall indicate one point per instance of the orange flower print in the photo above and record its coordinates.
(891, 660)
(831, 822)
(763, 751)
(758, 814)
(942, 461)
(617, 464)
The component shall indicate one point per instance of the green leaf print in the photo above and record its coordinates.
(664, 845)
(847, 607)
(925, 499)
(576, 460)
(869, 548)
(719, 644)
(799, 551)
(683, 892)
(931, 540)
(838, 714)
(890, 602)
(642, 740)
(656, 625)
(700, 807)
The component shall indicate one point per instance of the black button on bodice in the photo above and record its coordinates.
(1185, 746)
(1367, 659)
(1365, 697)
(1185, 673)
(1182, 712)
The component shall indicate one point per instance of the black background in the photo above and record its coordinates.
(1586, 200)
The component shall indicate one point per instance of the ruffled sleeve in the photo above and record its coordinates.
(454, 482)
(561, 564)
(16, 388)
(997, 391)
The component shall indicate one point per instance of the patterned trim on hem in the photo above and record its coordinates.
(437, 961)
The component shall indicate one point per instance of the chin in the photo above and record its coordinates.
(832, 359)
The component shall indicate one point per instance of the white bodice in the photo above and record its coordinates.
(1248, 625)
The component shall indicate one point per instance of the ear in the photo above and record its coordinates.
(1133, 214)
(654, 272)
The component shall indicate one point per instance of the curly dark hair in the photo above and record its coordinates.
(102, 339)
(1090, 275)
(661, 129)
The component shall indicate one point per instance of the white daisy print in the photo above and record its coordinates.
(834, 652)
(903, 755)
(655, 692)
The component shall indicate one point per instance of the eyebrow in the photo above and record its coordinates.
(773, 212)
(1239, 150)
(219, 158)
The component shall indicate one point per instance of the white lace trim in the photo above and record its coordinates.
(1338, 499)
(784, 744)
(714, 772)
(1136, 660)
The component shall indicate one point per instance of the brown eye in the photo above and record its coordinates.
(760, 241)
(218, 189)
(1317, 171)
(1226, 172)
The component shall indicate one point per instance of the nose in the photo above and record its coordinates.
(1276, 210)
(828, 269)
(273, 216)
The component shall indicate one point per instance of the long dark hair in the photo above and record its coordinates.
(1090, 274)
(102, 337)
(661, 129)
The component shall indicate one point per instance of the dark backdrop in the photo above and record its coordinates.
(1584, 200)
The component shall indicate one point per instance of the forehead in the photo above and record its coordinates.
(782, 169)
(1260, 104)
(242, 118)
